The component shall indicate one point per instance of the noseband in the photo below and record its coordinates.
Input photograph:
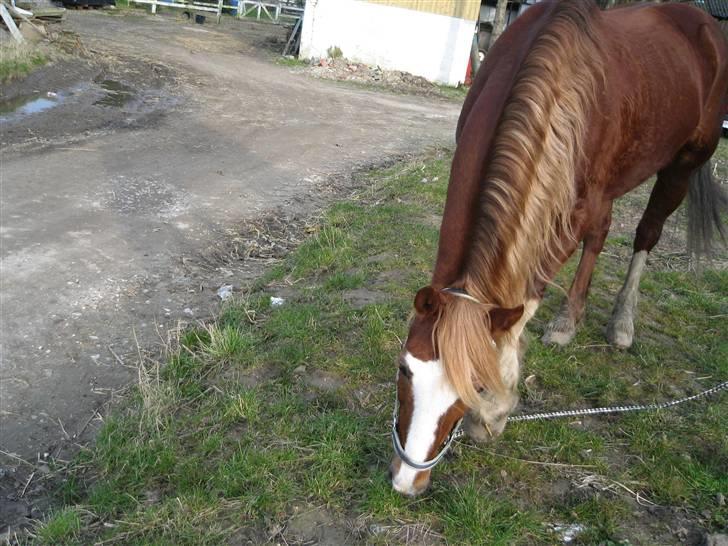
(425, 465)
(454, 433)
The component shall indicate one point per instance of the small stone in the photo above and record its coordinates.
(300, 369)
(425, 180)
(152, 496)
(716, 540)
(720, 499)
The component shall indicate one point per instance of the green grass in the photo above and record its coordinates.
(453, 93)
(272, 413)
(19, 60)
(61, 528)
(291, 62)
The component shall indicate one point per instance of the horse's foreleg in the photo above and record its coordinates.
(562, 328)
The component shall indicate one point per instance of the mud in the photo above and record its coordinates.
(127, 204)
(315, 525)
(361, 297)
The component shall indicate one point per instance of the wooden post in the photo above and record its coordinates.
(154, 7)
(219, 10)
(499, 24)
(474, 53)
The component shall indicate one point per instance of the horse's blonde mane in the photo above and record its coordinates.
(528, 193)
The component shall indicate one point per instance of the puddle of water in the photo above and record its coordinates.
(117, 94)
(29, 104)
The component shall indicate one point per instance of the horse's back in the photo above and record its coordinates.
(676, 48)
(666, 73)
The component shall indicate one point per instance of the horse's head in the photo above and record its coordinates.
(450, 364)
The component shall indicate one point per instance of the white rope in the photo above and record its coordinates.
(613, 409)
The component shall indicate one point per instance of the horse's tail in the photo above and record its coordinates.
(707, 202)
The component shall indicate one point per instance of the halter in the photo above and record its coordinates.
(460, 293)
(454, 433)
(425, 465)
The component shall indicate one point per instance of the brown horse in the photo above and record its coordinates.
(572, 108)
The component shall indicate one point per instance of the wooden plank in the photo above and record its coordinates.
(12, 27)
(49, 12)
(295, 37)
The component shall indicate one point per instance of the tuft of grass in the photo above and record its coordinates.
(453, 93)
(270, 414)
(18, 60)
(334, 52)
(291, 61)
(61, 527)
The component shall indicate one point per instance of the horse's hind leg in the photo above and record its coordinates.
(667, 194)
(562, 328)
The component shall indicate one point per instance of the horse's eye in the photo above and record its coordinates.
(405, 371)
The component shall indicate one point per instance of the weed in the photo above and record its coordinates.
(334, 52)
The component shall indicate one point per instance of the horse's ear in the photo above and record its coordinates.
(502, 318)
(427, 301)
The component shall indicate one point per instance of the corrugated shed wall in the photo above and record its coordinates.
(463, 9)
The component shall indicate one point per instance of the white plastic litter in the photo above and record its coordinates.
(568, 532)
(276, 302)
(225, 292)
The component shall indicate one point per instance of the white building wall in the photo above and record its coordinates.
(436, 47)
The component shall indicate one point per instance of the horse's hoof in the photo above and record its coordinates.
(620, 334)
(558, 337)
(560, 331)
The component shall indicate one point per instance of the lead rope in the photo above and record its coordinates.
(611, 409)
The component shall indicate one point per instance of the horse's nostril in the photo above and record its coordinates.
(389, 473)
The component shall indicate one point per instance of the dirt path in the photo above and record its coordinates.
(119, 199)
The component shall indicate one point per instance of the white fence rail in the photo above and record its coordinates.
(274, 11)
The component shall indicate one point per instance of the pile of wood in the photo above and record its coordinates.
(26, 19)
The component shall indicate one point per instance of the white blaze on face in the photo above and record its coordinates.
(432, 396)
